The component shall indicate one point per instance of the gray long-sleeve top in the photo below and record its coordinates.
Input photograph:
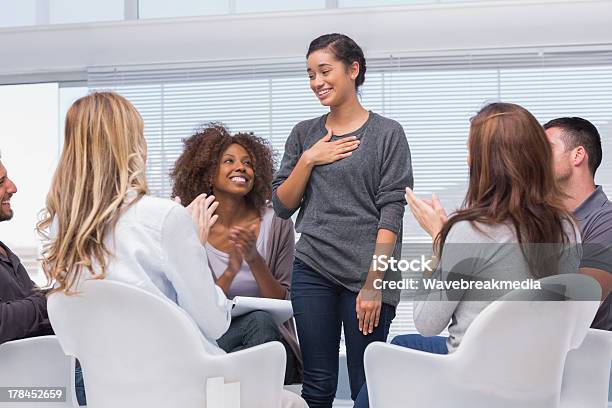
(476, 251)
(346, 202)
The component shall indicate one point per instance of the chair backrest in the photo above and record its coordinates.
(136, 349)
(37, 362)
(586, 375)
(517, 346)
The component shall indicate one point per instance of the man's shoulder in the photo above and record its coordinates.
(607, 207)
(17, 267)
(598, 224)
(596, 228)
(7, 252)
(604, 214)
(3, 248)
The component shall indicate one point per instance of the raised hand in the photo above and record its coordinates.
(207, 217)
(325, 151)
(191, 208)
(202, 211)
(430, 214)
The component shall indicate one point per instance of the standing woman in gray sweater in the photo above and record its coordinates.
(346, 172)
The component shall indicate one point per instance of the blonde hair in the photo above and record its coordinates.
(102, 160)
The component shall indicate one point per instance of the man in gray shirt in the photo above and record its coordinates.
(577, 154)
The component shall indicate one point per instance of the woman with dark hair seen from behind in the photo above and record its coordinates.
(346, 172)
(512, 206)
(250, 250)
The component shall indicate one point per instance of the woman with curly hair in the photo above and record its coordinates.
(250, 250)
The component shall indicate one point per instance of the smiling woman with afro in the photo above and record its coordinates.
(196, 168)
(250, 249)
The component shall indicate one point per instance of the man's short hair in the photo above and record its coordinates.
(579, 132)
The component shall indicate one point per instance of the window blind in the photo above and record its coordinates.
(432, 96)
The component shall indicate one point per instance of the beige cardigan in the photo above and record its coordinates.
(280, 255)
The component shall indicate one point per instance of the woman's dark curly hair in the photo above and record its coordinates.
(197, 167)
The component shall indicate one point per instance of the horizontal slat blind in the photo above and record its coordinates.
(432, 96)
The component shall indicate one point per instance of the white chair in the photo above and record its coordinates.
(511, 356)
(586, 376)
(140, 350)
(37, 362)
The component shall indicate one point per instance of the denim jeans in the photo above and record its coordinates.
(435, 345)
(320, 308)
(255, 328)
(79, 385)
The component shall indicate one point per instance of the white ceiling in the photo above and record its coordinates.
(65, 51)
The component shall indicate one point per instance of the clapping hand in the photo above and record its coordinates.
(430, 214)
(202, 211)
(325, 151)
(244, 241)
(235, 261)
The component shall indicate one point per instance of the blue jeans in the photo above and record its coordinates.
(320, 308)
(255, 328)
(435, 345)
(79, 385)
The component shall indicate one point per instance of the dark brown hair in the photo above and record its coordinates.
(344, 49)
(512, 181)
(579, 132)
(197, 167)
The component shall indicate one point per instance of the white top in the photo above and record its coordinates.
(156, 248)
(244, 283)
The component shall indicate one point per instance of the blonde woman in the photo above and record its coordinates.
(101, 223)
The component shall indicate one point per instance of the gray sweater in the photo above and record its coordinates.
(475, 251)
(346, 202)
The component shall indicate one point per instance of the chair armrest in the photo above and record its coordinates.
(31, 343)
(260, 371)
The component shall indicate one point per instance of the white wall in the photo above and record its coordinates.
(29, 144)
(71, 48)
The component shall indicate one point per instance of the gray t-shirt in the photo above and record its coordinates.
(475, 251)
(348, 201)
(594, 216)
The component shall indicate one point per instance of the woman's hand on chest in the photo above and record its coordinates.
(326, 151)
